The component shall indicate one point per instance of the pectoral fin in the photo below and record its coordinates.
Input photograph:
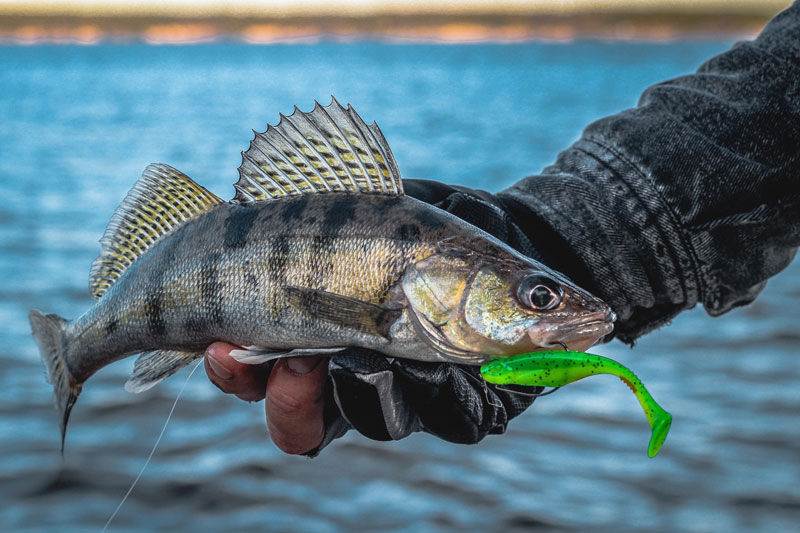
(342, 311)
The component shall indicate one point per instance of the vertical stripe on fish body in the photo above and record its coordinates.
(225, 275)
(319, 250)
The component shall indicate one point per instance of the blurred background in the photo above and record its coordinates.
(466, 92)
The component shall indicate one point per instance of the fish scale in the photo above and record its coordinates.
(318, 251)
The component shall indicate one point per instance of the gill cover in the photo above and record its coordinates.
(492, 310)
(466, 307)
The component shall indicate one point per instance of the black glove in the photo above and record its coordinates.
(388, 399)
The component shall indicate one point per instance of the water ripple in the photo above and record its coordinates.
(80, 124)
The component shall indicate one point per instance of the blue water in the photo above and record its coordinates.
(80, 123)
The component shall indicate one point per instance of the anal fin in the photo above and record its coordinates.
(151, 368)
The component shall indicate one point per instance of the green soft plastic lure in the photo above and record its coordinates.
(558, 368)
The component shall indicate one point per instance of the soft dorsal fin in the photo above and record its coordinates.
(162, 199)
(329, 149)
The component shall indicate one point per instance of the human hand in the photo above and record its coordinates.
(382, 400)
(293, 389)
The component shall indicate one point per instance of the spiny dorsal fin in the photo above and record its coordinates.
(162, 200)
(329, 149)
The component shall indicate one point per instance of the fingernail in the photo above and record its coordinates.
(302, 365)
(216, 366)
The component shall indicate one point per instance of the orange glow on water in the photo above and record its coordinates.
(178, 33)
(453, 21)
(32, 34)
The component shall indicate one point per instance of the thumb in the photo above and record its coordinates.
(294, 403)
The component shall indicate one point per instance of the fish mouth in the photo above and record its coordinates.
(579, 335)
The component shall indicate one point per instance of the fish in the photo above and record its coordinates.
(319, 250)
(559, 368)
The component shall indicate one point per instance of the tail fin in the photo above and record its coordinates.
(49, 335)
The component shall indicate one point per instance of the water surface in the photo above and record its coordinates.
(80, 124)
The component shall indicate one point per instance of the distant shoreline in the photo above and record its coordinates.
(89, 28)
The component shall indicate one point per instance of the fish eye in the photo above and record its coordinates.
(539, 292)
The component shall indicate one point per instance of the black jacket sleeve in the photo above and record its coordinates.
(693, 196)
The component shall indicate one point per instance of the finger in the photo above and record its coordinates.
(295, 402)
(248, 382)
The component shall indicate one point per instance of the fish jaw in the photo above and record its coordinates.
(578, 336)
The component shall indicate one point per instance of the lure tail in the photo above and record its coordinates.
(48, 331)
(660, 420)
(659, 429)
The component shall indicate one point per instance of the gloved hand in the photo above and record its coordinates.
(691, 197)
(312, 401)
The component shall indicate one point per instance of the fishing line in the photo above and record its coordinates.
(529, 394)
(158, 440)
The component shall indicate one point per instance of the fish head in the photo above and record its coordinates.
(500, 305)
